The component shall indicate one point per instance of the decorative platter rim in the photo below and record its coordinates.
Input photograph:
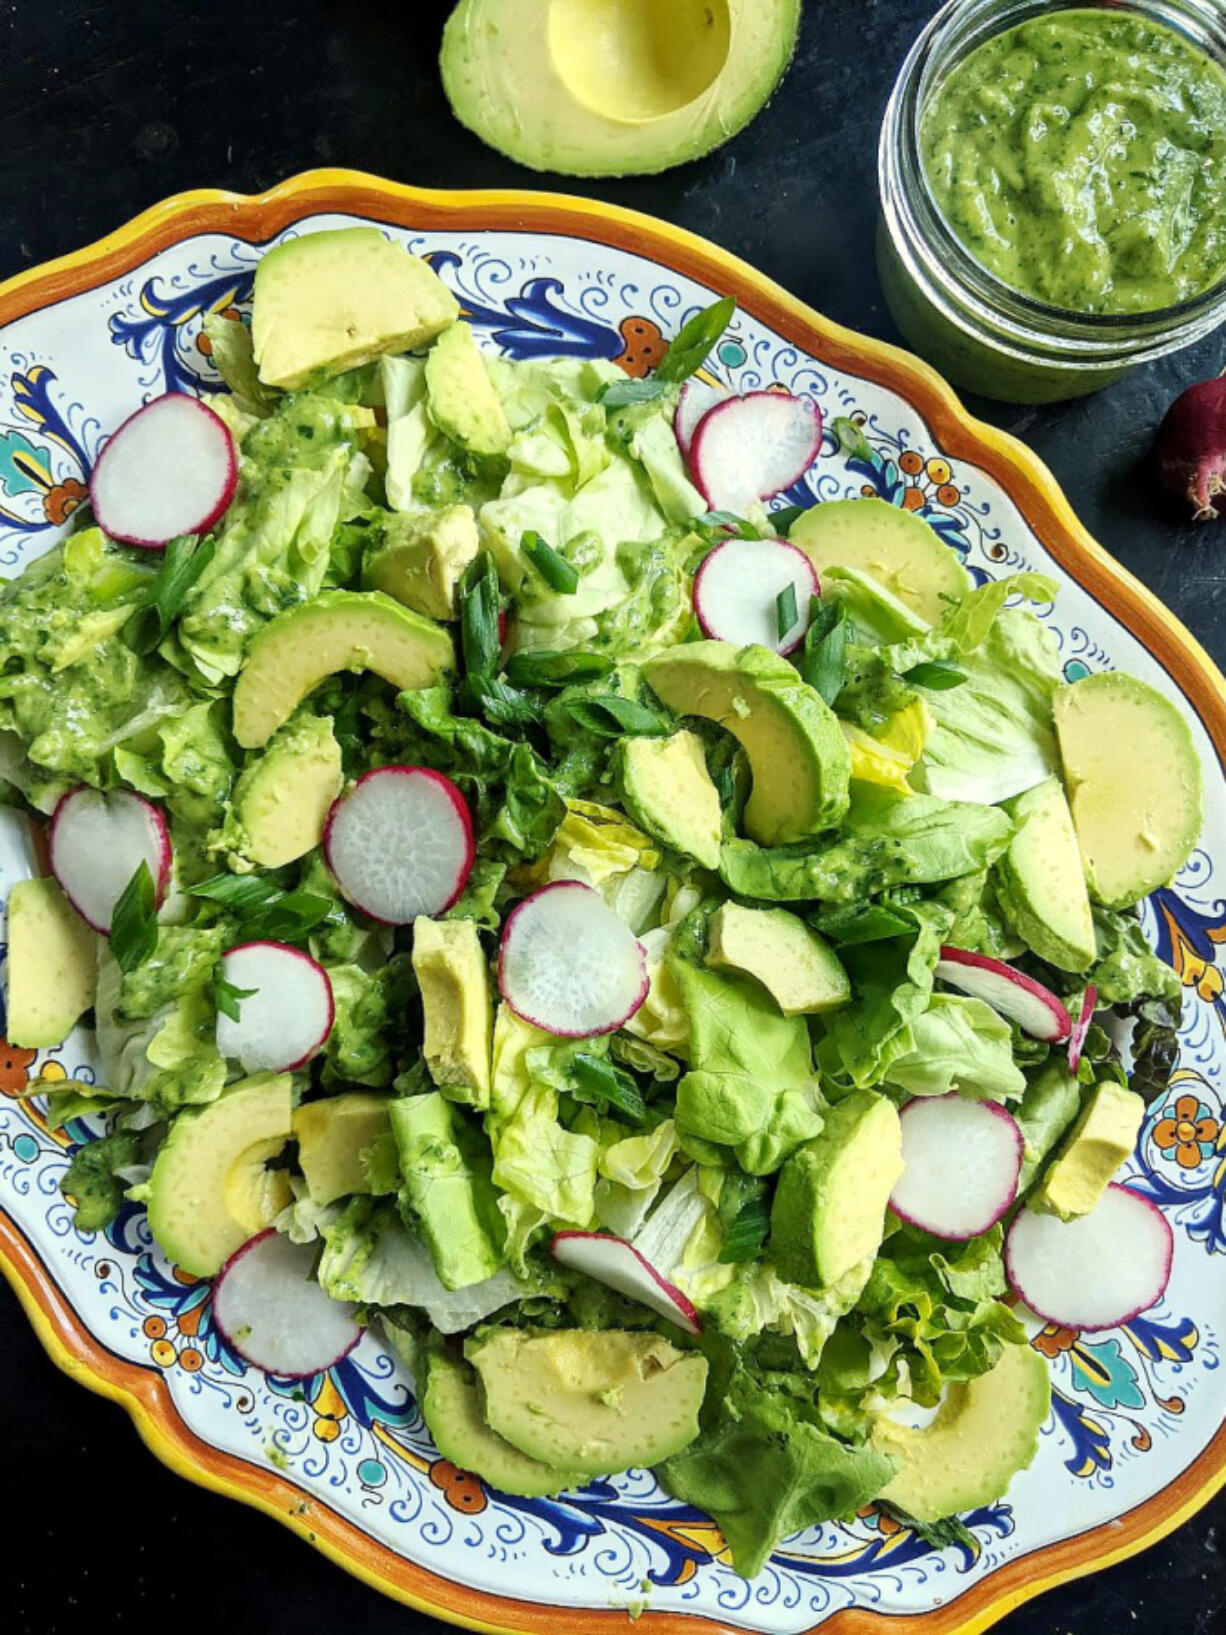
(1046, 514)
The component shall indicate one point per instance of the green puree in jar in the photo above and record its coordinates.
(1081, 158)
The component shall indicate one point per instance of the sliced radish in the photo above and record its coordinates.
(737, 590)
(619, 1265)
(400, 843)
(962, 1162)
(697, 399)
(273, 1313)
(97, 842)
(1077, 1038)
(567, 964)
(286, 1014)
(1097, 1271)
(751, 448)
(1017, 997)
(170, 469)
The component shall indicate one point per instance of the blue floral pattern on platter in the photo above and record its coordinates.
(1131, 1409)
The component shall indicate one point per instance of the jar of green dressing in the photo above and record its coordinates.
(1053, 189)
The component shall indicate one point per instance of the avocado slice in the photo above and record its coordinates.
(337, 630)
(423, 558)
(668, 791)
(986, 1430)
(335, 1137)
(1040, 883)
(798, 756)
(282, 799)
(331, 301)
(447, 1186)
(52, 965)
(210, 1189)
(800, 972)
(453, 975)
(589, 1400)
(1102, 1138)
(1135, 785)
(460, 395)
(830, 1204)
(613, 91)
(452, 1409)
(890, 545)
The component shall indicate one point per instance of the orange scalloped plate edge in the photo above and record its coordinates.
(258, 218)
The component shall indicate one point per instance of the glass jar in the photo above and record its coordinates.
(976, 330)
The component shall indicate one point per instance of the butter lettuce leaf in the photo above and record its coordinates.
(892, 982)
(955, 1044)
(751, 1084)
(763, 1468)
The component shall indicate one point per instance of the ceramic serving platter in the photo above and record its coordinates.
(1135, 1441)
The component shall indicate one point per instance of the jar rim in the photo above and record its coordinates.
(956, 29)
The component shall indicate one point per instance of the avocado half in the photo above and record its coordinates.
(614, 87)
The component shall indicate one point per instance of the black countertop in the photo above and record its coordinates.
(108, 107)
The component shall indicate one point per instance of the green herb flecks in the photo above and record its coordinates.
(610, 1085)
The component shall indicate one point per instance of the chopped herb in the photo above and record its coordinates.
(134, 923)
(785, 519)
(185, 559)
(863, 922)
(852, 440)
(265, 908)
(610, 716)
(228, 998)
(503, 704)
(609, 1084)
(786, 612)
(694, 340)
(555, 570)
(479, 638)
(745, 1237)
(936, 675)
(823, 660)
(547, 669)
(719, 524)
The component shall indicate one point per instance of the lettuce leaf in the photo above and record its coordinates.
(993, 736)
(1128, 969)
(764, 1468)
(956, 1044)
(751, 1084)
(892, 982)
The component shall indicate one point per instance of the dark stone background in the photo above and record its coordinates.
(106, 108)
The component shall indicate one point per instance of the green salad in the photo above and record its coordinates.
(661, 1032)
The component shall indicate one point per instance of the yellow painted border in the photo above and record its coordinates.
(1032, 488)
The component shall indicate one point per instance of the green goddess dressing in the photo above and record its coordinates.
(1081, 158)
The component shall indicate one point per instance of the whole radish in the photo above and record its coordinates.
(1191, 448)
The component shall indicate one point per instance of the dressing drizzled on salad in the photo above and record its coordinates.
(663, 961)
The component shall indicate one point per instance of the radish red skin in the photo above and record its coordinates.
(161, 879)
(459, 806)
(504, 985)
(1061, 1023)
(687, 1314)
(236, 1344)
(1163, 1224)
(1191, 449)
(704, 428)
(330, 1002)
(1077, 1038)
(212, 516)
